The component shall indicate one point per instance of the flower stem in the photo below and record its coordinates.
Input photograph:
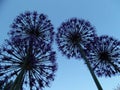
(18, 81)
(90, 69)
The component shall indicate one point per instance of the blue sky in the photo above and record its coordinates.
(103, 14)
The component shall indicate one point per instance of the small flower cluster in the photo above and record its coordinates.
(27, 58)
(103, 53)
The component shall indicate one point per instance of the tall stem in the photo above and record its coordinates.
(90, 69)
(18, 81)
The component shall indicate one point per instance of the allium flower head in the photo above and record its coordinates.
(35, 67)
(32, 25)
(72, 34)
(104, 56)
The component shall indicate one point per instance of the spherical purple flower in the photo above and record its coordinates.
(29, 67)
(72, 34)
(32, 25)
(104, 56)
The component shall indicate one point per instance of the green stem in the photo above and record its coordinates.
(18, 81)
(90, 69)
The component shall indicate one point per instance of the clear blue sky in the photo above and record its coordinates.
(103, 14)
